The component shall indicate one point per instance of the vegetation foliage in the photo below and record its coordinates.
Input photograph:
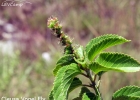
(82, 20)
(91, 62)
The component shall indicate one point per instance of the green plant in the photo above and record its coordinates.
(91, 62)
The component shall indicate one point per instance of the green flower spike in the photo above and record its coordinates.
(53, 23)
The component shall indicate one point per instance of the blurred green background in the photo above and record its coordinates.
(29, 51)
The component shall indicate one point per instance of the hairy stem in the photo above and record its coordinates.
(99, 81)
(94, 86)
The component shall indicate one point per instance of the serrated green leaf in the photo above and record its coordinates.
(63, 81)
(128, 92)
(96, 67)
(85, 94)
(125, 98)
(114, 61)
(84, 90)
(80, 56)
(79, 53)
(100, 43)
(57, 82)
(75, 83)
(85, 97)
(89, 96)
(51, 96)
(63, 61)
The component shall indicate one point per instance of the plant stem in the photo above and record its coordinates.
(99, 81)
(87, 85)
(95, 78)
(84, 75)
(96, 89)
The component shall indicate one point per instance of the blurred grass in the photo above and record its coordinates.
(24, 78)
(7, 67)
(28, 74)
